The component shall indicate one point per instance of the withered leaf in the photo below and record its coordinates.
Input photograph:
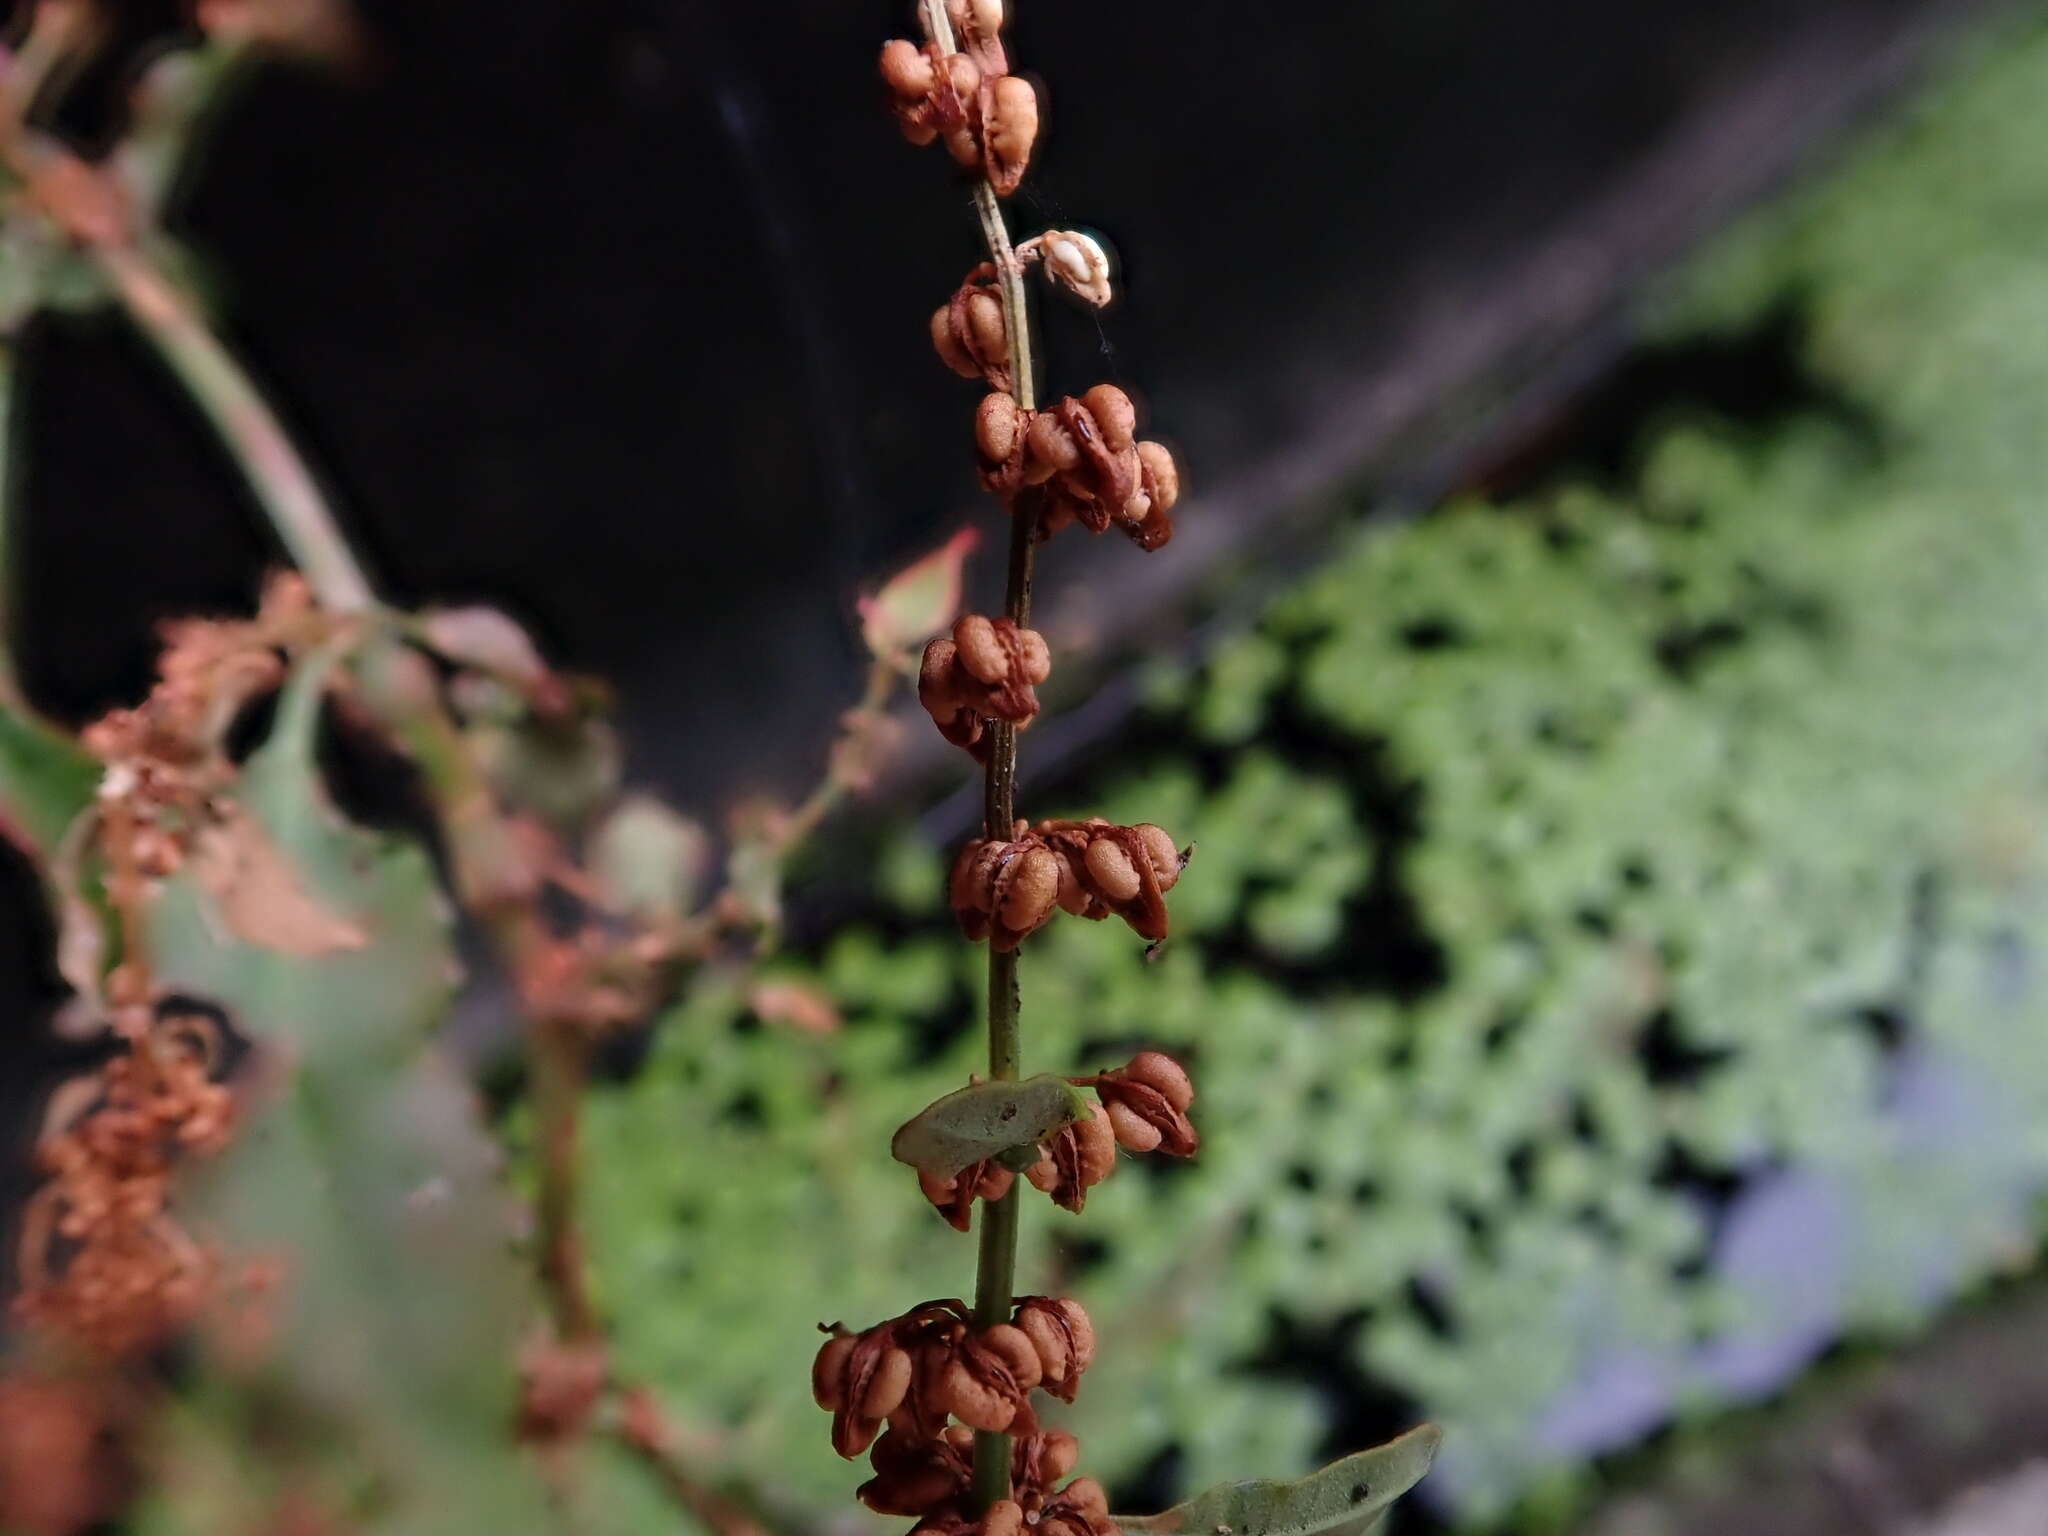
(259, 897)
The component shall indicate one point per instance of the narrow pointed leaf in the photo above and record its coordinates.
(1346, 1498)
(987, 1120)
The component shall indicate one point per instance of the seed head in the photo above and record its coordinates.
(1009, 131)
(1147, 1103)
(1078, 1157)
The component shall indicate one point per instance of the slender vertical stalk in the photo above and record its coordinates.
(250, 429)
(11, 695)
(996, 1275)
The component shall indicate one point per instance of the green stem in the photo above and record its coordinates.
(11, 695)
(247, 426)
(996, 1275)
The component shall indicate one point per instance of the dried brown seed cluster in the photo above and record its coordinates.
(1079, 1509)
(1144, 1109)
(986, 669)
(978, 24)
(1146, 1103)
(165, 760)
(915, 1372)
(101, 1257)
(918, 1477)
(1075, 1160)
(1079, 461)
(955, 1196)
(1004, 891)
(987, 117)
(969, 332)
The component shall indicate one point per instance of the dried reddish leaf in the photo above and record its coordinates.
(259, 895)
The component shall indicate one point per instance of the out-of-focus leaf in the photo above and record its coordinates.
(650, 861)
(986, 1120)
(486, 639)
(918, 601)
(562, 769)
(1346, 1498)
(46, 779)
(360, 1172)
(800, 1007)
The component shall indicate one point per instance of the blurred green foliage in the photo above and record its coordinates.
(362, 1166)
(1568, 869)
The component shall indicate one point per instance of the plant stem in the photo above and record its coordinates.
(996, 1275)
(247, 426)
(641, 1426)
(11, 696)
(560, 1069)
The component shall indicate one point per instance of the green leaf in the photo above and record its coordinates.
(1346, 1498)
(648, 860)
(987, 1120)
(46, 779)
(918, 601)
(361, 1170)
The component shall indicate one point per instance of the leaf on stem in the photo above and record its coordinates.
(361, 1161)
(987, 1120)
(1346, 1498)
(486, 639)
(46, 779)
(918, 601)
(649, 861)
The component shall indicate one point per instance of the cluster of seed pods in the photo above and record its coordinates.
(927, 1395)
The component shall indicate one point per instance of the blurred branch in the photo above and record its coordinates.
(642, 1428)
(217, 383)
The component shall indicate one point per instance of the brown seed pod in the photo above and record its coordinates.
(1120, 871)
(1064, 1338)
(969, 332)
(934, 94)
(979, 652)
(1086, 1493)
(955, 1197)
(828, 1371)
(1147, 1101)
(987, 669)
(1017, 1353)
(1004, 892)
(1111, 869)
(1160, 1072)
(907, 70)
(977, 1403)
(1000, 429)
(1086, 465)
(886, 1385)
(1076, 1159)
(1159, 476)
(1133, 1132)
(917, 1475)
(1115, 417)
(979, 23)
(1009, 130)
(1044, 1459)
